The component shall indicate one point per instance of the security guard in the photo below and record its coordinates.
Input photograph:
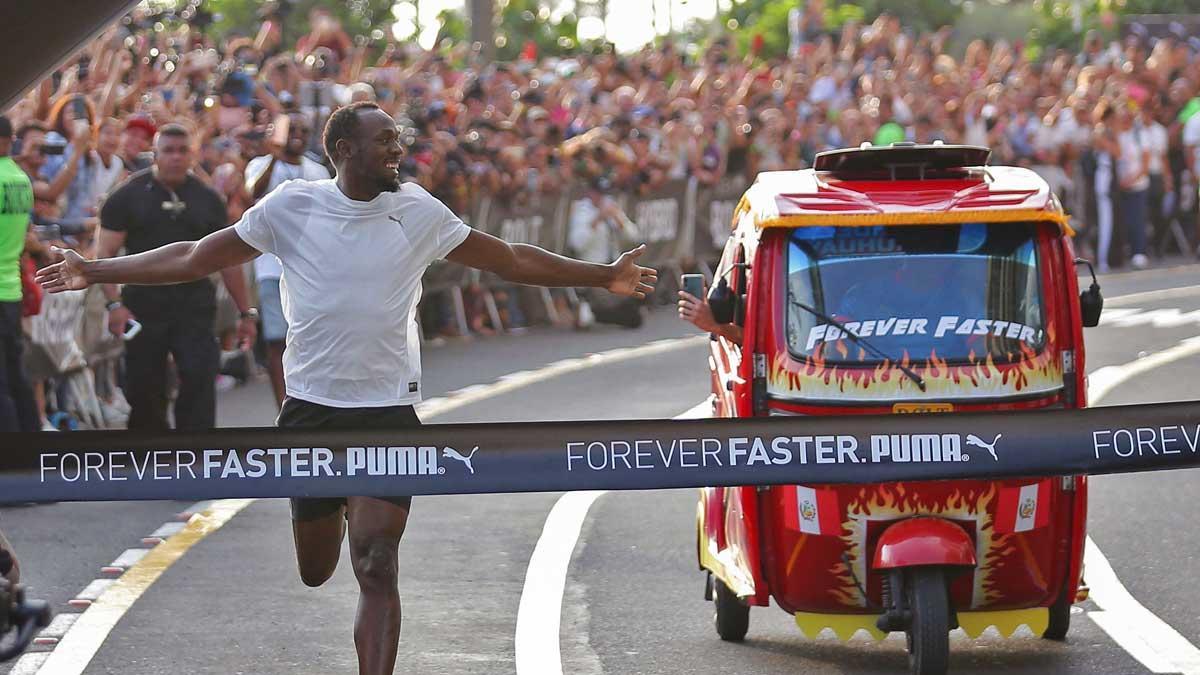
(163, 205)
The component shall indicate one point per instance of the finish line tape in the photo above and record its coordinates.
(608, 455)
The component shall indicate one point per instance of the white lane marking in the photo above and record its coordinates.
(1149, 296)
(94, 590)
(84, 638)
(59, 626)
(1147, 638)
(30, 663)
(167, 530)
(540, 611)
(1102, 381)
(475, 393)
(1167, 317)
(130, 557)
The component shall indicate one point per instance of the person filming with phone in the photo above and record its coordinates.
(162, 205)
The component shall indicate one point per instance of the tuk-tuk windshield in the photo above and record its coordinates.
(957, 293)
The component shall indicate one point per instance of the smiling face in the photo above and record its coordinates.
(375, 152)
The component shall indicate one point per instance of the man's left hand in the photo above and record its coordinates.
(631, 279)
(247, 332)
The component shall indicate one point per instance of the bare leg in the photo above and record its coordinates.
(39, 399)
(275, 369)
(318, 546)
(375, 530)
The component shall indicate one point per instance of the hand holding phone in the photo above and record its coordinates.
(693, 284)
(132, 328)
(79, 108)
(279, 137)
(81, 133)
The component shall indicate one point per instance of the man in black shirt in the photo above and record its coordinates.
(155, 207)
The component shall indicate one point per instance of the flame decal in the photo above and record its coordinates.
(971, 502)
(1033, 373)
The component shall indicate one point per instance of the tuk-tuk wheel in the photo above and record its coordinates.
(732, 618)
(1060, 620)
(929, 633)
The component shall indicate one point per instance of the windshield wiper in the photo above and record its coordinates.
(860, 341)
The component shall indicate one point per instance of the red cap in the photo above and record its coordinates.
(142, 122)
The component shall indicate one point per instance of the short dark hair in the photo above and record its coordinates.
(173, 130)
(343, 123)
(33, 125)
(6, 127)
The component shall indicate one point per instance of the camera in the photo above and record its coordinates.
(52, 148)
(47, 231)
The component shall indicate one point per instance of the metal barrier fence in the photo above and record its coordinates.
(679, 221)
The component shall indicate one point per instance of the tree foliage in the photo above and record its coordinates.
(358, 17)
(769, 18)
(529, 21)
(1057, 22)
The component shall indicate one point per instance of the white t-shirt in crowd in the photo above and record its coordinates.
(267, 266)
(106, 175)
(600, 243)
(1154, 139)
(351, 282)
(1130, 163)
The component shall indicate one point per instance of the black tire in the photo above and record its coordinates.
(732, 617)
(1060, 620)
(929, 633)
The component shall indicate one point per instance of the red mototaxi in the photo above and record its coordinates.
(869, 238)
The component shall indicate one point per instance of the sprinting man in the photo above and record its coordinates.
(350, 285)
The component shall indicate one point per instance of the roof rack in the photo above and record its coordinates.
(904, 160)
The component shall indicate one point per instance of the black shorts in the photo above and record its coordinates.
(297, 413)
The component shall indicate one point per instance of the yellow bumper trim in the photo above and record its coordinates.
(973, 623)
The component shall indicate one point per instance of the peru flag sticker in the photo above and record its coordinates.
(1024, 508)
(817, 511)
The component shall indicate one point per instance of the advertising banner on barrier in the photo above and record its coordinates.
(714, 215)
(660, 216)
(530, 222)
(616, 455)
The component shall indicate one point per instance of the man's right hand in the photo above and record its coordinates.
(69, 274)
(117, 320)
(697, 312)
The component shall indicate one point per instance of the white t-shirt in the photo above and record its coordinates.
(267, 266)
(599, 243)
(106, 176)
(351, 282)
(1130, 163)
(1154, 138)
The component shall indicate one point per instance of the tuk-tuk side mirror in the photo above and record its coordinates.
(722, 302)
(1091, 302)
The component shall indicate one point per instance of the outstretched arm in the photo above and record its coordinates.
(525, 264)
(171, 264)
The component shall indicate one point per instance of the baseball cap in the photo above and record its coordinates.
(142, 122)
(6, 127)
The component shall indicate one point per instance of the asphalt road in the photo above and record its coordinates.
(633, 601)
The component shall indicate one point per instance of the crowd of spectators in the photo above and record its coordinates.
(1113, 127)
